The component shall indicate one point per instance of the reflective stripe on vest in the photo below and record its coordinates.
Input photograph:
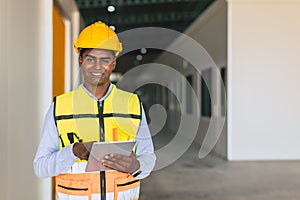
(80, 118)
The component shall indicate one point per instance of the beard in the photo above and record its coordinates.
(101, 81)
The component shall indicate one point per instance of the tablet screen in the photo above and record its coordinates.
(100, 149)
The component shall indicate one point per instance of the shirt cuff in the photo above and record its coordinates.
(68, 150)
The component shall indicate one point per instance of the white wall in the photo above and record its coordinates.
(3, 101)
(264, 84)
(26, 93)
(26, 67)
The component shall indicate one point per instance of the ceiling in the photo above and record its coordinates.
(130, 14)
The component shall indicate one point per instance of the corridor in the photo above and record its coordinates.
(213, 178)
(249, 47)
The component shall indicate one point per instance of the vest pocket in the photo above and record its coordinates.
(127, 188)
(127, 183)
(73, 187)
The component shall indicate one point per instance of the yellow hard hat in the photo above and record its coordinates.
(99, 36)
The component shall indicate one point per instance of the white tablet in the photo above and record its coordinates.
(100, 149)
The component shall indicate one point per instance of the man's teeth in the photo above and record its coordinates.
(97, 74)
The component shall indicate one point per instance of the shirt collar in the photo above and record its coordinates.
(93, 96)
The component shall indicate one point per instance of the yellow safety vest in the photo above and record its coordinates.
(80, 118)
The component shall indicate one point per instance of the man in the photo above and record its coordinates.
(95, 111)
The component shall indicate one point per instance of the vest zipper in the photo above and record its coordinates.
(101, 121)
(102, 139)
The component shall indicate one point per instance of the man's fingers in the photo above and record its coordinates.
(115, 165)
(121, 163)
(82, 150)
(118, 160)
(86, 155)
(118, 157)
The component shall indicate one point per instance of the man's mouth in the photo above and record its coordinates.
(97, 74)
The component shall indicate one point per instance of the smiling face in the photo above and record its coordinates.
(96, 66)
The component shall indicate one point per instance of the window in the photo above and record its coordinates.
(205, 95)
(189, 100)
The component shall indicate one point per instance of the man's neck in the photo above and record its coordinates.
(98, 91)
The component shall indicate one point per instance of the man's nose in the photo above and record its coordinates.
(98, 64)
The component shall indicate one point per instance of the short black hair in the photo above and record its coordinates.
(82, 50)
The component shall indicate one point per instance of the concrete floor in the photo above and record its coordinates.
(213, 178)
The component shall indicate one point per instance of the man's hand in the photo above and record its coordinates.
(121, 163)
(82, 150)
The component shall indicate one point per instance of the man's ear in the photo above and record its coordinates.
(114, 65)
(80, 60)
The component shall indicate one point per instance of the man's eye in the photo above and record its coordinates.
(89, 60)
(106, 61)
